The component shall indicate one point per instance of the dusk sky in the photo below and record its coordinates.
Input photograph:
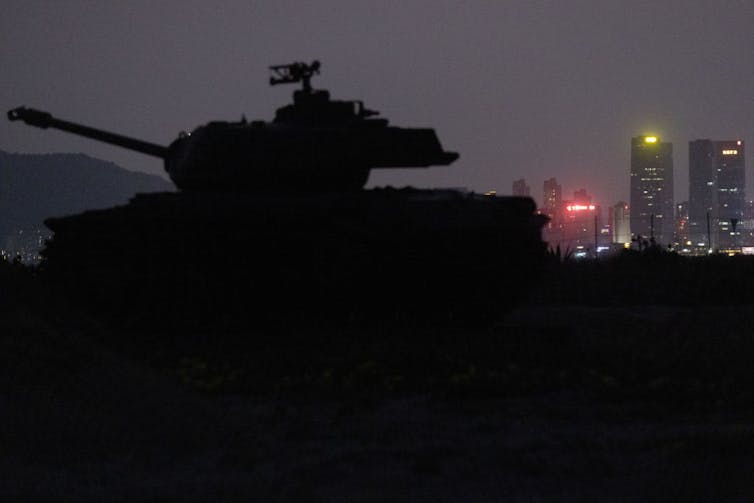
(528, 89)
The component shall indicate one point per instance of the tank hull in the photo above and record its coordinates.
(184, 262)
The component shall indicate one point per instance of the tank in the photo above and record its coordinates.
(315, 144)
(270, 230)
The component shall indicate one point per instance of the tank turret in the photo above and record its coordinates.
(315, 144)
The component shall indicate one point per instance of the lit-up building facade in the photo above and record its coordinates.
(552, 197)
(521, 189)
(702, 191)
(578, 230)
(731, 183)
(717, 181)
(620, 223)
(747, 228)
(651, 189)
(581, 225)
(681, 238)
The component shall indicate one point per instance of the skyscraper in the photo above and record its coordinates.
(582, 195)
(716, 188)
(520, 188)
(702, 190)
(731, 183)
(652, 189)
(620, 223)
(552, 198)
(681, 232)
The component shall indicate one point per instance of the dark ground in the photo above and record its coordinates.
(603, 398)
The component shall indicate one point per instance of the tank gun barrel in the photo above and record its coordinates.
(45, 120)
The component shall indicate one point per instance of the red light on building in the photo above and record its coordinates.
(580, 207)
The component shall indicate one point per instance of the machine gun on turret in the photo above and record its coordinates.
(295, 72)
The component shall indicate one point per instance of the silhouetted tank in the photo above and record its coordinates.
(315, 144)
(267, 232)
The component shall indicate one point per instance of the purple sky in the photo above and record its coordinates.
(529, 89)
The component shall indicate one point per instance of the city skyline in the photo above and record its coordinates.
(716, 216)
(568, 186)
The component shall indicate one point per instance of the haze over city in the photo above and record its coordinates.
(520, 89)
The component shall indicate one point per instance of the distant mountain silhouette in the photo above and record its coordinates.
(34, 187)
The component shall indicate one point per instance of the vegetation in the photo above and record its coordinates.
(568, 389)
(696, 356)
(650, 277)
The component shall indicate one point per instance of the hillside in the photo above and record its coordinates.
(34, 187)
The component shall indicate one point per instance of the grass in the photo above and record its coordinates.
(694, 358)
(576, 400)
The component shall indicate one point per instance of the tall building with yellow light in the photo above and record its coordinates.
(651, 189)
